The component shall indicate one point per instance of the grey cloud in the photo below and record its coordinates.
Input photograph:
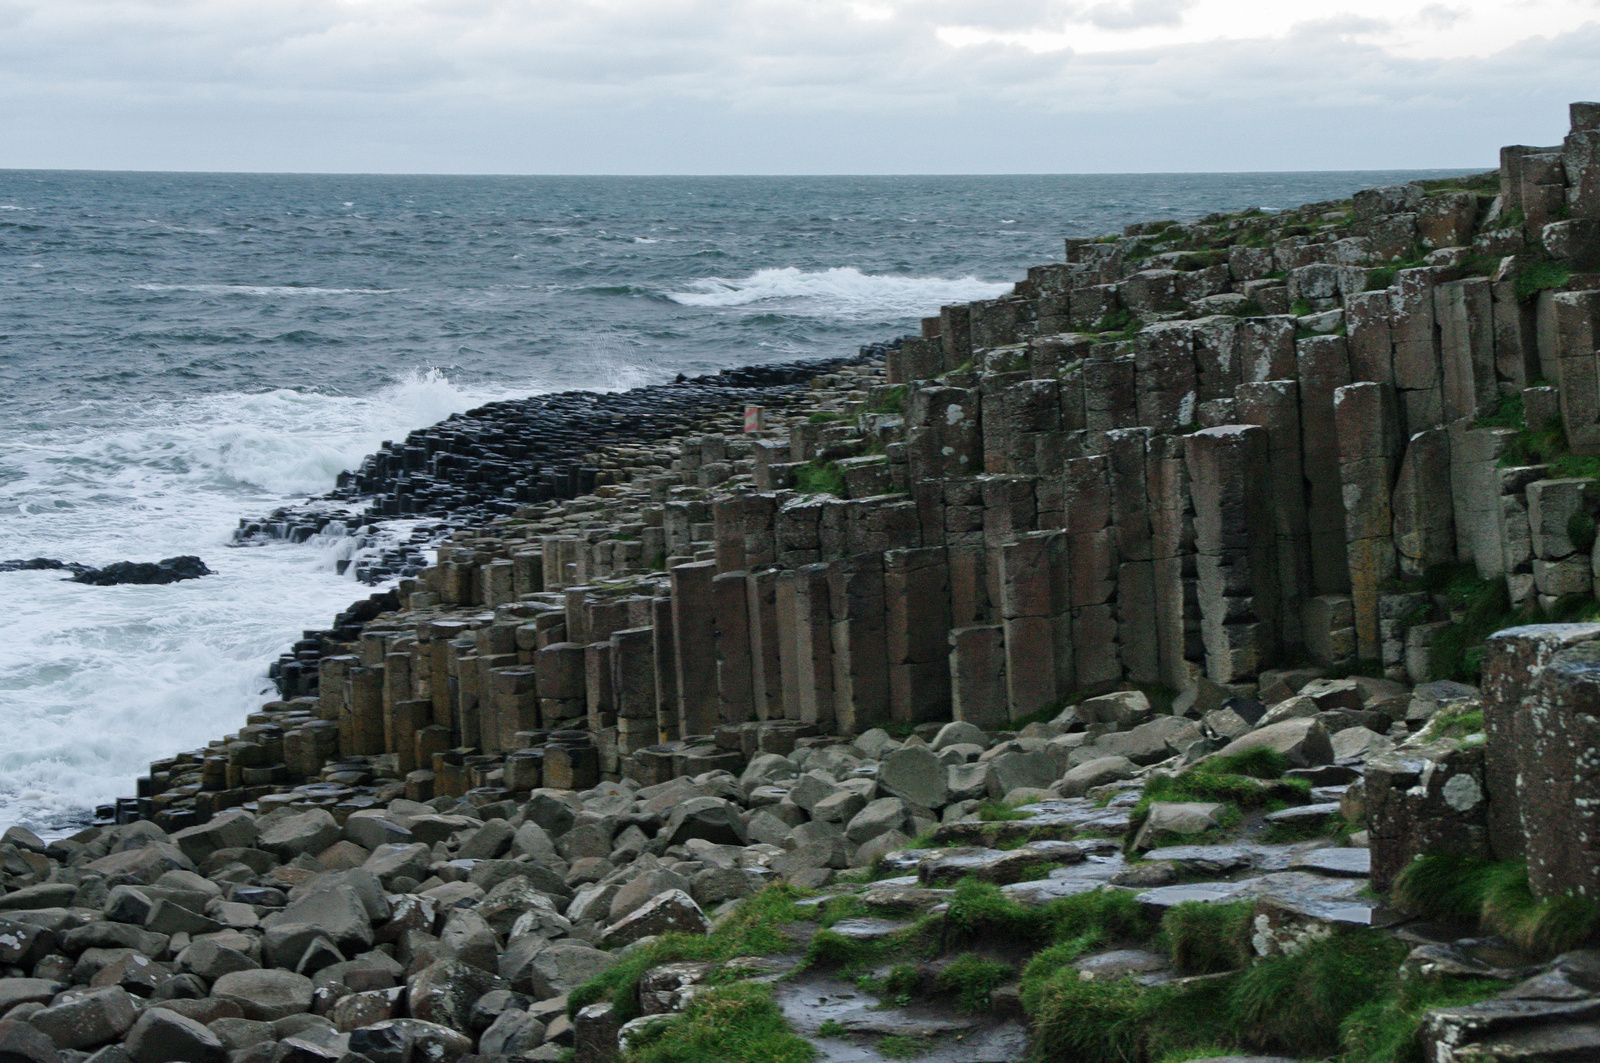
(1138, 14)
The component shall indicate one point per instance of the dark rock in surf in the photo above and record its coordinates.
(169, 570)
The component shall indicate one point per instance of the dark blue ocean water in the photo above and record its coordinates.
(178, 350)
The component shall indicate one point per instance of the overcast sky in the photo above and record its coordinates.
(786, 86)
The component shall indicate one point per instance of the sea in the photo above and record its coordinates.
(180, 350)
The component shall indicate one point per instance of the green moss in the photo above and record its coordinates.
(1208, 938)
(1509, 414)
(1496, 897)
(1301, 308)
(830, 949)
(972, 978)
(902, 1046)
(754, 929)
(1483, 607)
(1260, 762)
(819, 478)
(827, 417)
(1298, 1002)
(1580, 529)
(832, 1028)
(732, 1024)
(1538, 275)
(1208, 782)
(893, 400)
(998, 812)
(1089, 1022)
(1388, 1030)
(1118, 320)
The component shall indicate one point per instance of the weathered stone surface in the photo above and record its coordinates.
(1178, 817)
(915, 775)
(163, 1036)
(444, 991)
(21, 1042)
(671, 912)
(1097, 772)
(266, 995)
(884, 814)
(88, 1021)
(1305, 742)
(304, 832)
(564, 966)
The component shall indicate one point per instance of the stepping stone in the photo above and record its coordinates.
(1000, 866)
(1204, 892)
(1208, 859)
(1121, 963)
(905, 898)
(1304, 815)
(867, 929)
(905, 860)
(1338, 863)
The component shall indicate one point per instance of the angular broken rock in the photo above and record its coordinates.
(671, 912)
(1304, 742)
(266, 995)
(163, 1036)
(914, 775)
(90, 1020)
(1178, 817)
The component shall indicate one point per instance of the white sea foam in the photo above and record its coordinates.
(263, 289)
(841, 292)
(96, 682)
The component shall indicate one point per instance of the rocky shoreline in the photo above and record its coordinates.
(1189, 654)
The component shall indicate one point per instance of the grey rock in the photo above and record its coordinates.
(1011, 771)
(265, 995)
(564, 966)
(514, 1033)
(306, 832)
(914, 775)
(209, 960)
(22, 1043)
(1097, 772)
(883, 815)
(444, 991)
(370, 828)
(709, 818)
(672, 912)
(89, 1020)
(840, 806)
(163, 1036)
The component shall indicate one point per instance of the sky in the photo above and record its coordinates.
(786, 86)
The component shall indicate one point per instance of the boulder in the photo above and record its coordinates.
(305, 832)
(958, 732)
(89, 1020)
(513, 1033)
(914, 775)
(371, 827)
(1304, 742)
(1091, 773)
(564, 966)
(671, 912)
(444, 991)
(14, 991)
(709, 818)
(337, 912)
(265, 995)
(1122, 709)
(409, 1041)
(1009, 771)
(163, 1036)
(1178, 817)
(227, 830)
(883, 815)
(22, 1043)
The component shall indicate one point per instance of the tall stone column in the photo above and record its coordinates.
(1236, 549)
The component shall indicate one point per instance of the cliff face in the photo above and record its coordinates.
(1181, 457)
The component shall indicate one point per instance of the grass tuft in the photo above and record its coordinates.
(1209, 938)
(1298, 1002)
(819, 478)
(732, 1024)
(1496, 897)
(972, 978)
(754, 929)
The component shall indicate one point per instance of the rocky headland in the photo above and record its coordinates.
(1190, 655)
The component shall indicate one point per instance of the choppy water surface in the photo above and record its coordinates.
(180, 350)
